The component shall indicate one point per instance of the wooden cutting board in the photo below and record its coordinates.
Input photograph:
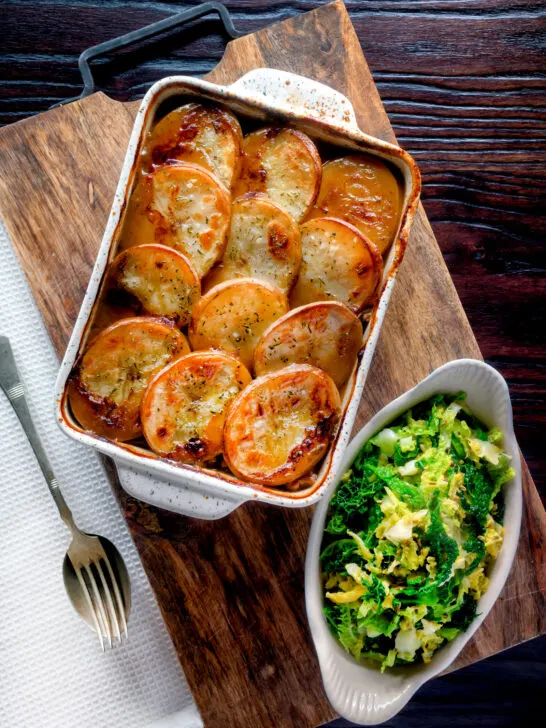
(231, 591)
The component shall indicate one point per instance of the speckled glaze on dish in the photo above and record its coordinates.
(323, 113)
(358, 692)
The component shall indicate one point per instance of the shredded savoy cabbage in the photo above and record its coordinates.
(411, 532)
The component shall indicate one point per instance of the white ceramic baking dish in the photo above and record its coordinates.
(358, 691)
(324, 114)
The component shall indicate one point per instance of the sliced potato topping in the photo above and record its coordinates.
(362, 190)
(108, 382)
(206, 135)
(283, 163)
(233, 315)
(162, 279)
(281, 425)
(338, 262)
(215, 212)
(194, 213)
(184, 408)
(325, 334)
(263, 242)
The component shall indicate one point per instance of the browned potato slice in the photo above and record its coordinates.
(206, 135)
(184, 407)
(182, 206)
(162, 279)
(196, 210)
(109, 380)
(283, 163)
(325, 334)
(263, 242)
(362, 190)
(281, 425)
(233, 315)
(338, 262)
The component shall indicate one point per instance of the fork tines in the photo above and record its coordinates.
(104, 599)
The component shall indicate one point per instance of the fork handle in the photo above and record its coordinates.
(10, 382)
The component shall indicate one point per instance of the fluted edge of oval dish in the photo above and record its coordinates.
(358, 692)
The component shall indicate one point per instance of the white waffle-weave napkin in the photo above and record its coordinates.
(52, 672)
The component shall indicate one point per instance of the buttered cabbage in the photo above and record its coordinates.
(412, 531)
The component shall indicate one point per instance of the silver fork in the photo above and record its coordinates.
(95, 575)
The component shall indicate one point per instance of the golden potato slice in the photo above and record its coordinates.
(162, 279)
(206, 135)
(194, 210)
(338, 262)
(263, 243)
(361, 189)
(233, 315)
(283, 163)
(325, 334)
(184, 407)
(109, 380)
(281, 425)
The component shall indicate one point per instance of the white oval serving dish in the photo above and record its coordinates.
(324, 114)
(358, 692)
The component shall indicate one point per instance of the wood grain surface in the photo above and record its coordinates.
(231, 592)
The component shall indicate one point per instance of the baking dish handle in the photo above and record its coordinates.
(141, 34)
(185, 498)
(296, 95)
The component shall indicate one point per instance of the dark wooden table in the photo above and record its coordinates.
(464, 84)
